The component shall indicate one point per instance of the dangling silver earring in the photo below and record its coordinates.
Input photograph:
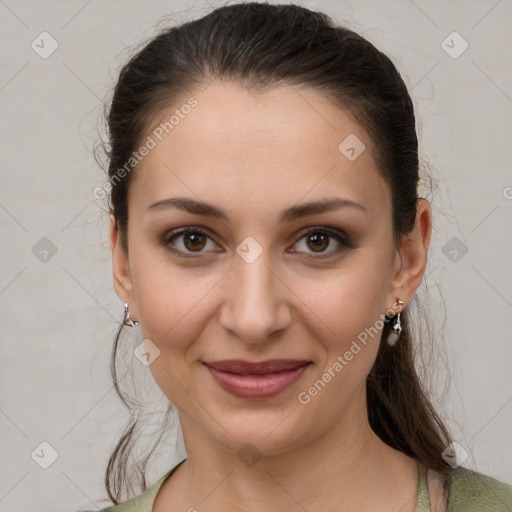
(397, 327)
(127, 319)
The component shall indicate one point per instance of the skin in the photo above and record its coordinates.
(254, 155)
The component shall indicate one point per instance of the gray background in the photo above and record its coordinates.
(59, 311)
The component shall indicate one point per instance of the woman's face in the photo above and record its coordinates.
(255, 286)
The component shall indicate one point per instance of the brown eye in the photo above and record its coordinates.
(318, 240)
(194, 241)
(186, 241)
(318, 243)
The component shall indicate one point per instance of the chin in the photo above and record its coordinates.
(268, 432)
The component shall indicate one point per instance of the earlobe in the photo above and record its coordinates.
(413, 250)
(120, 264)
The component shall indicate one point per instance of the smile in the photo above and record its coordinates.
(264, 379)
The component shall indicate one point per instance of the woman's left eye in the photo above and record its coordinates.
(318, 239)
(194, 240)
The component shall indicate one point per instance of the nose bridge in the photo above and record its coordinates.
(254, 306)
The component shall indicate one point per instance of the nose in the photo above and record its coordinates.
(255, 302)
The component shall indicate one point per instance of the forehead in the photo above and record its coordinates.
(257, 150)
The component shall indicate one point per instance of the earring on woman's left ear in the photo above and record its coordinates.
(397, 326)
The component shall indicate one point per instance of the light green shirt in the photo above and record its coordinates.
(469, 492)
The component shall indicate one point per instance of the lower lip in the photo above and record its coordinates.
(257, 386)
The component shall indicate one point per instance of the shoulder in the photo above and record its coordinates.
(141, 503)
(474, 492)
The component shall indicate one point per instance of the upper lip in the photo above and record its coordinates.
(242, 367)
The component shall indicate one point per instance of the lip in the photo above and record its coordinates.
(264, 379)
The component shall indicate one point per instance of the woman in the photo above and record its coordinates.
(268, 237)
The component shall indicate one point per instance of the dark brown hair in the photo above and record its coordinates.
(259, 46)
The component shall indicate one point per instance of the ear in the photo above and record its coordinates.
(411, 257)
(123, 284)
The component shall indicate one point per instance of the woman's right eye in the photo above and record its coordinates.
(191, 240)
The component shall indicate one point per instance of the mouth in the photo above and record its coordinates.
(251, 380)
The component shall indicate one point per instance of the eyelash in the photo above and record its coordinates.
(337, 235)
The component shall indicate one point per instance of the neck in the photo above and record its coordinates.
(346, 468)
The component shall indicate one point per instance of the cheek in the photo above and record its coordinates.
(350, 302)
(350, 306)
(173, 310)
(171, 301)
(351, 298)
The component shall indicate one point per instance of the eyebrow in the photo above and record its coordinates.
(198, 207)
